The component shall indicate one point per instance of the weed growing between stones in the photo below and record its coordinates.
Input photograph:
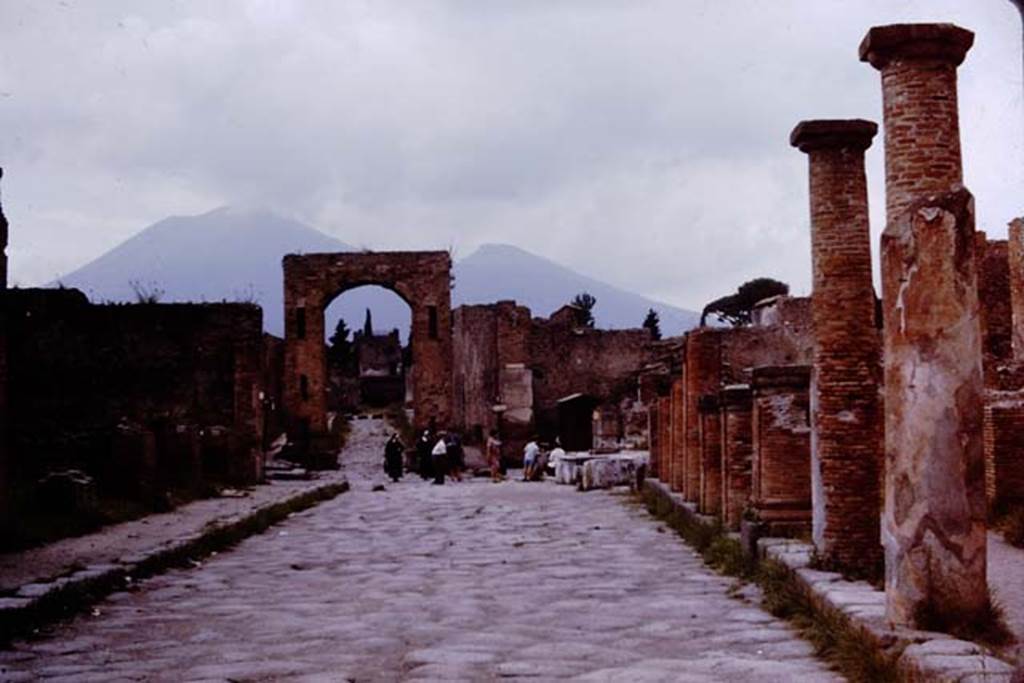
(986, 626)
(875, 575)
(835, 640)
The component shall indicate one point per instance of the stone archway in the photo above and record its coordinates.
(313, 281)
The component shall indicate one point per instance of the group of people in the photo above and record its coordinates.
(536, 459)
(441, 455)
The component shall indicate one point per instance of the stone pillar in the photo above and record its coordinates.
(1004, 459)
(781, 482)
(846, 419)
(919, 99)
(653, 440)
(678, 433)
(711, 455)
(703, 376)
(665, 433)
(933, 527)
(1015, 248)
(934, 521)
(737, 451)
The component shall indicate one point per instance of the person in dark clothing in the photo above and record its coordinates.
(423, 457)
(393, 452)
(456, 456)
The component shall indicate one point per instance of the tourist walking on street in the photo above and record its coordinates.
(492, 449)
(456, 456)
(393, 452)
(423, 456)
(530, 454)
(439, 459)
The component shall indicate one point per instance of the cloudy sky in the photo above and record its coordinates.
(643, 142)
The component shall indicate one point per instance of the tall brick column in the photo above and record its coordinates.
(846, 427)
(664, 431)
(919, 100)
(933, 526)
(653, 440)
(781, 486)
(675, 455)
(703, 376)
(1016, 257)
(737, 451)
(711, 455)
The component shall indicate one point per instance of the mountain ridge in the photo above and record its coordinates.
(235, 254)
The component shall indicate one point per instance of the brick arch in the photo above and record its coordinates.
(312, 281)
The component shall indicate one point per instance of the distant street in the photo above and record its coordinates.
(472, 581)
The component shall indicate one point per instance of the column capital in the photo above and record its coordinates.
(943, 42)
(817, 134)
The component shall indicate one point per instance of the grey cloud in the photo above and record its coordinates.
(644, 143)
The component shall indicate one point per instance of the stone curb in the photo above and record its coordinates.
(919, 655)
(36, 604)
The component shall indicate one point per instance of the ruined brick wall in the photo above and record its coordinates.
(664, 404)
(1004, 448)
(737, 451)
(273, 388)
(566, 360)
(490, 364)
(1015, 255)
(994, 300)
(78, 371)
(711, 455)
(781, 485)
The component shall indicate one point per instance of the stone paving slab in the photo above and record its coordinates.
(475, 581)
(47, 582)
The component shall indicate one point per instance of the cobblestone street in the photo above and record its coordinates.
(472, 581)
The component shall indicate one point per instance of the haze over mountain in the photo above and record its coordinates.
(235, 255)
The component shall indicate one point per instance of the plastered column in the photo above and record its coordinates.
(845, 417)
(933, 526)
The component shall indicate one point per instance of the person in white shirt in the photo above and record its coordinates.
(440, 459)
(530, 455)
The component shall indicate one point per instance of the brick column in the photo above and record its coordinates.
(665, 432)
(1004, 459)
(703, 376)
(653, 440)
(919, 100)
(846, 418)
(678, 434)
(781, 482)
(933, 526)
(1015, 249)
(711, 455)
(737, 450)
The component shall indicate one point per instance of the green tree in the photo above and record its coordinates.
(339, 349)
(584, 303)
(735, 309)
(653, 323)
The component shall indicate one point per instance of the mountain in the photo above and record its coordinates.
(235, 255)
(501, 271)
